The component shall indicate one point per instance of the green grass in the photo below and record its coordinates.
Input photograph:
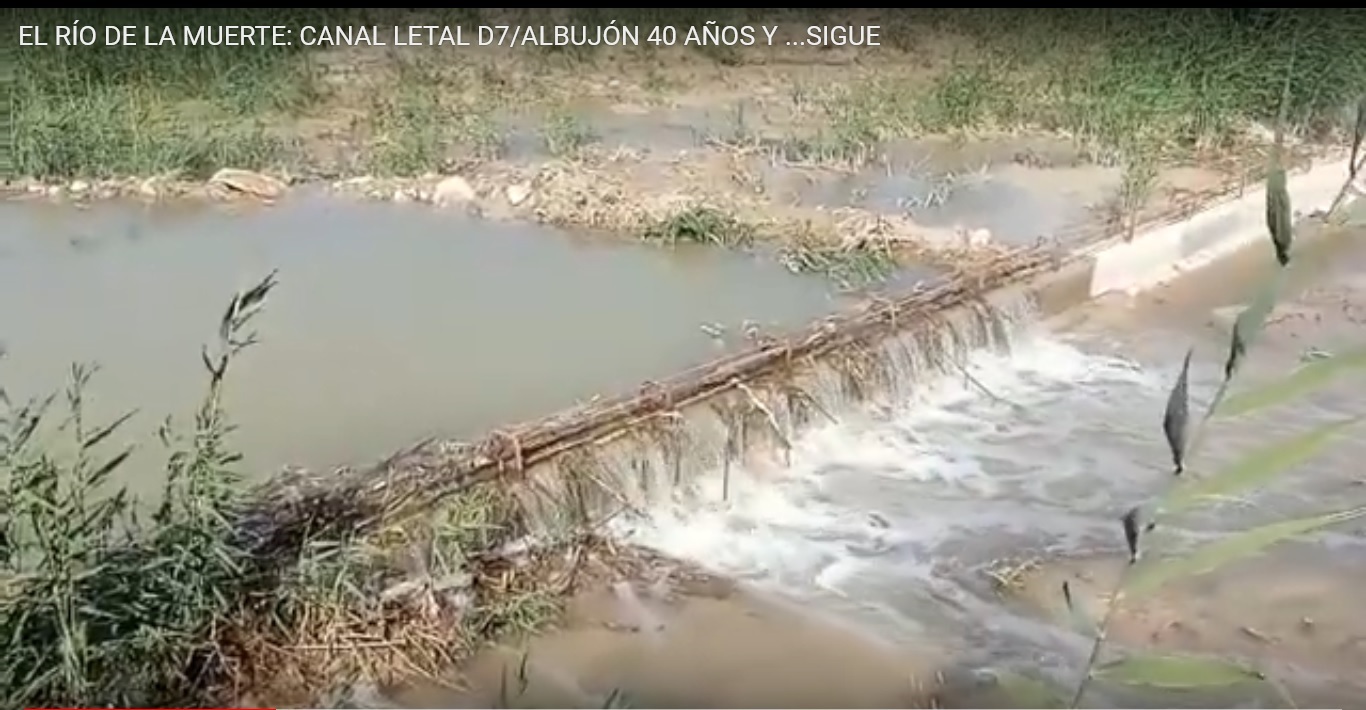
(848, 267)
(416, 129)
(409, 133)
(701, 224)
(97, 111)
(805, 253)
(1126, 83)
(95, 605)
(565, 134)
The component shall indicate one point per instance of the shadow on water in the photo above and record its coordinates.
(391, 322)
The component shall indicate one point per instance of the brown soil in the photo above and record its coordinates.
(1298, 609)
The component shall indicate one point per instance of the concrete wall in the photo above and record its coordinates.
(1163, 253)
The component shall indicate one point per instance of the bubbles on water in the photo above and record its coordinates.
(875, 505)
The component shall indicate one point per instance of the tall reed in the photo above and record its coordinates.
(98, 605)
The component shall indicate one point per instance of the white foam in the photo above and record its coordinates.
(883, 480)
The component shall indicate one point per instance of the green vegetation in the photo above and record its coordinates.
(1127, 83)
(1134, 87)
(701, 224)
(565, 134)
(1180, 79)
(102, 603)
(416, 128)
(100, 112)
(850, 267)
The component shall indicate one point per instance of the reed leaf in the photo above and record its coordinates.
(1278, 214)
(1130, 523)
(1153, 576)
(1257, 467)
(1358, 136)
(1081, 619)
(1249, 326)
(1176, 420)
(616, 699)
(1308, 378)
(1354, 157)
(1252, 470)
(1172, 672)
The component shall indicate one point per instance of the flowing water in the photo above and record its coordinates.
(901, 520)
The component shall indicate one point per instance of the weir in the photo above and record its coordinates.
(750, 427)
(577, 469)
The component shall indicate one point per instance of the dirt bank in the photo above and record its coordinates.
(1295, 614)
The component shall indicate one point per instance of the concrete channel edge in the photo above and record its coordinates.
(1163, 253)
(1160, 253)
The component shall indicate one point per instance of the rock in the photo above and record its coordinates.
(451, 191)
(359, 181)
(976, 238)
(148, 188)
(79, 186)
(454, 582)
(404, 589)
(251, 183)
(401, 195)
(518, 193)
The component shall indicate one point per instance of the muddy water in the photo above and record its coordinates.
(1020, 190)
(669, 654)
(949, 522)
(390, 322)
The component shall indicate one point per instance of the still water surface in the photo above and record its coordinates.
(390, 322)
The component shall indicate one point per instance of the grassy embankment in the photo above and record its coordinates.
(1134, 87)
